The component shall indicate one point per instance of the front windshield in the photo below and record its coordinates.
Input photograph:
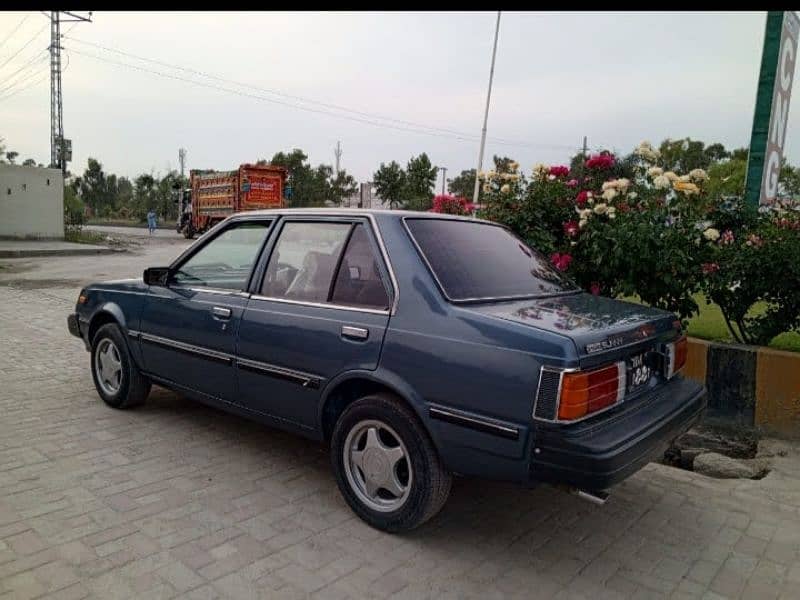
(480, 261)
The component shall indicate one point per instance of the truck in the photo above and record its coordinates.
(215, 195)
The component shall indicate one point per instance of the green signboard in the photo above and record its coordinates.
(772, 106)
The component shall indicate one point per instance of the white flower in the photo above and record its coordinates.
(487, 188)
(632, 195)
(589, 195)
(711, 234)
(612, 210)
(661, 182)
(612, 215)
(513, 165)
(608, 195)
(540, 170)
(609, 184)
(671, 175)
(655, 171)
(623, 183)
(551, 177)
(506, 188)
(482, 174)
(601, 209)
(735, 286)
(685, 178)
(698, 174)
(584, 214)
(582, 223)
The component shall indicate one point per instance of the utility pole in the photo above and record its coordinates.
(182, 161)
(60, 152)
(338, 154)
(486, 113)
(584, 147)
(444, 179)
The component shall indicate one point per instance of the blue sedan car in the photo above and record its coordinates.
(417, 345)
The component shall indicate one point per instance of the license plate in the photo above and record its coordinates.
(638, 372)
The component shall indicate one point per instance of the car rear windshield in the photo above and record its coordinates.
(480, 261)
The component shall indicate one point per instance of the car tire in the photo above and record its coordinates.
(379, 441)
(116, 377)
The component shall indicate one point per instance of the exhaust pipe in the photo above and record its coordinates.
(597, 498)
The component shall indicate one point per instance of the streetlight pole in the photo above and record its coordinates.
(444, 179)
(486, 113)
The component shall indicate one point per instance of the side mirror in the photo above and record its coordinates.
(156, 276)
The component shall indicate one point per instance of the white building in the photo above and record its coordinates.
(31, 202)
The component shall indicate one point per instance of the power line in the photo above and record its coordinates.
(31, 63)
(28, 43)
(23, 88)
(372, 116)
(463, 137)
(13, 31)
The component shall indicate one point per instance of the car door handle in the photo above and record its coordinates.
(220, 312)
(355, 333)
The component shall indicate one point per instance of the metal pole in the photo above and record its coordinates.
(486, 113)
(444, 180)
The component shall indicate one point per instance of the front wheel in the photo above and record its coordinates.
(386, 465)
(116, 376)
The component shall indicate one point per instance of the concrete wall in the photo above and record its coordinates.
(31, 202)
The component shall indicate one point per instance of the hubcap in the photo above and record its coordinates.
(377, 466)
(108, 367)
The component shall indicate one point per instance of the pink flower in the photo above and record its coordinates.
(571, 228)
(754, 240)
(600, 161)
(595, 288)
(727, 237)
(445, 203)
(709, 268)
(559, 171)
(572, 183)
(582, 198)
(561, 261)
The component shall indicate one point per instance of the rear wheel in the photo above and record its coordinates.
(116, 377)
(386, 465)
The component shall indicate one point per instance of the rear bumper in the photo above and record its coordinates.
(598, 453)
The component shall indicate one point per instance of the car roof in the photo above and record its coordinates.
(377, 212)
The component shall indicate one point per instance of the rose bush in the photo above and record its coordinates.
(624, 227)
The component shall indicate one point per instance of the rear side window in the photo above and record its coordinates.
(480, 261)
(359, 282)
(304, 261)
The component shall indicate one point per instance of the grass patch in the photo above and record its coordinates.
(84, 237)
(117, 222)
(710, 325)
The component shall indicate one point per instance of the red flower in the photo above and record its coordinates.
(709, 268)
(571, 228)
(572, 183)
(726, 237)
(561, 261)
(582, 198)
(601, 161)
(445, 203)
(595, 288)
(559, 171)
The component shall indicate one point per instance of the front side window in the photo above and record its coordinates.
(304, 260)
(226, 261)
(481, 261)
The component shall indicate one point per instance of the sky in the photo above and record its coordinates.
(408, 83)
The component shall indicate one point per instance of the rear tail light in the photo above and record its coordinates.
(587, 392)
(676, 356)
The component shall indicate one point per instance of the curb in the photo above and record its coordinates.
(32, 253)
(748, 385)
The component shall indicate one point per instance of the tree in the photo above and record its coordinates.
(11, 156)
(463, 185)
(420, 181)
(685, 155)
(341, 186)
(390, 183)
(29, 162)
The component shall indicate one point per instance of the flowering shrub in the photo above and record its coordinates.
(451, 205)
(623, 227)
(753, 272)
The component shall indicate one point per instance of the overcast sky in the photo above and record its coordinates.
(617, 78)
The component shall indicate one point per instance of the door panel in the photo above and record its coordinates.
(184, 339)
(287, 352)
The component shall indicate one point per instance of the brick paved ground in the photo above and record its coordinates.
(179, 500)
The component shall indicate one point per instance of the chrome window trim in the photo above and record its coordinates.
(190, 348)
(134, 333)
(563, 370)
(373, 311)
(476, 423)
(379, 236)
